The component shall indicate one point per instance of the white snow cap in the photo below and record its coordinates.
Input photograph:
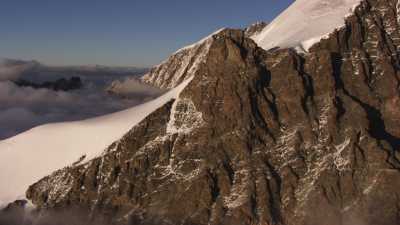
(305, 23)
(28, 157)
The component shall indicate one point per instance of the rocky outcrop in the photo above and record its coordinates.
(258, 137)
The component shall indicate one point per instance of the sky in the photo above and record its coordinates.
(120, 32)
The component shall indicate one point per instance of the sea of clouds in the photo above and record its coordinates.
(22, 108)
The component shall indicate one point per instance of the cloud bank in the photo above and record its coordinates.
(11, 69)
(22, 108)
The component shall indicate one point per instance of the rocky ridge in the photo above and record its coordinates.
(185, 61)
(180, 65)
(257, 137)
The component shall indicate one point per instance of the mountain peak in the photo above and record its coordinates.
(185, 62)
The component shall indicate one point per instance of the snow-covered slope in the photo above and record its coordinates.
(28, 157)
(304, 23)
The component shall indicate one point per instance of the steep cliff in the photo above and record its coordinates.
(258, 137)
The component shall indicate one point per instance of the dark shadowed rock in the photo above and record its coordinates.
(59, 85)
(259, 137)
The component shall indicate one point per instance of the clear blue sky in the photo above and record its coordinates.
(118, 32)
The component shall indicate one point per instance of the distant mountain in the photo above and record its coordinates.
(11, 69)
(60, 84)
(116, 70)
(287, 134)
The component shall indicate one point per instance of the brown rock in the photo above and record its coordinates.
(259, 137)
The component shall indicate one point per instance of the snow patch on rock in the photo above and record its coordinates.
(184, 117)
(339, 160)
(239, 192)
(398, 11)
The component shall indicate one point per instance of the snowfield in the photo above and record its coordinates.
(32, 155)
(305, 23)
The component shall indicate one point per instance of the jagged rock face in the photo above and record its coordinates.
(260, 137)
(184, 63)
(179, 66)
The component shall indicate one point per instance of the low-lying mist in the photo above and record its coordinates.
(71, 216)
(22, 108)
